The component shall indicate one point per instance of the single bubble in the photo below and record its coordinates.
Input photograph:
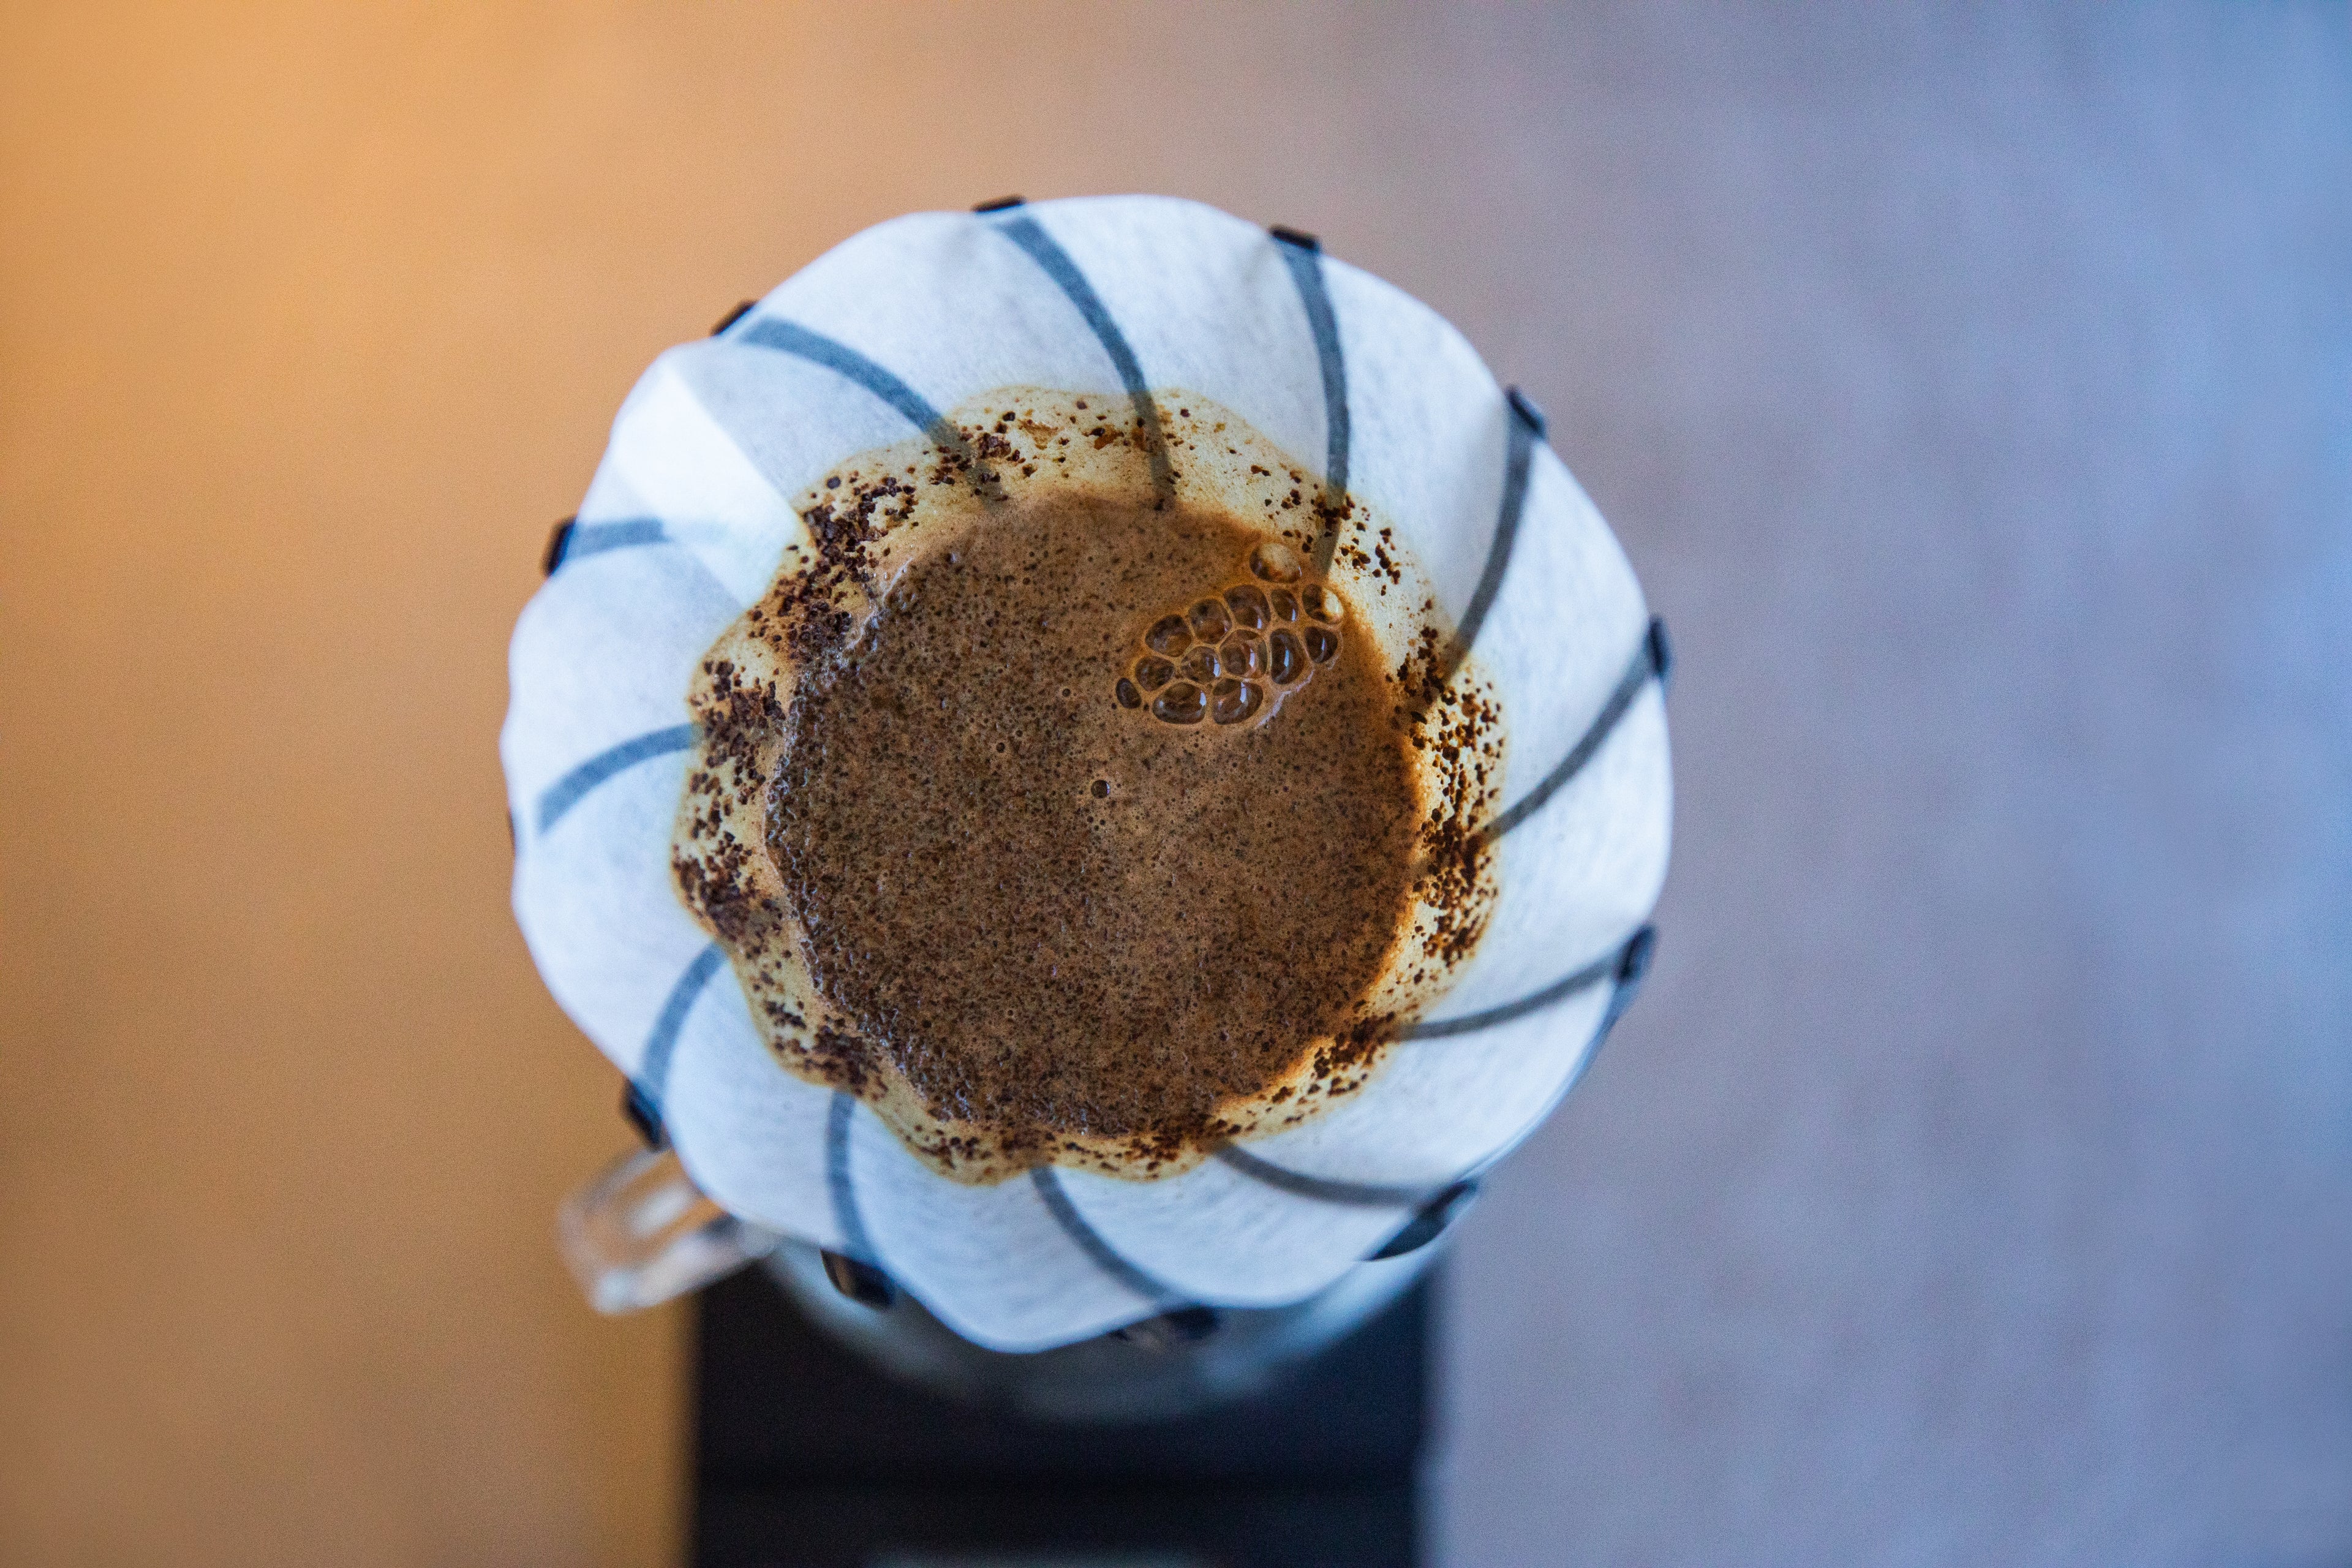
(1202, 664)
(1168, 635)
(1286, 608)
(1152, 672)
(1235, 700)
(1128, 695)
(1209, 620)
(1242, 655)
(1285, 658)
(1321, 603)
(1322, 644)
(1248, 607)
(1275, 562)
(1102, 789)
(1182, 703)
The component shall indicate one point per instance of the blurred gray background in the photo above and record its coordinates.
(1973, 390)
(1971, 385)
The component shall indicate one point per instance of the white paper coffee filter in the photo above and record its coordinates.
(684, 526)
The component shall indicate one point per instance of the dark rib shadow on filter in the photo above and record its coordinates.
(1043, 249)
(791, 338)
(1560, 990)
(560, 797)
(1346, 1195)
(855, 1270)
(859, 1272)
(1650, 661)
(788, 337)
(838, 1186)
(1526, 429)
(649, 1089)
(1108, 1258)
(1625, 968)
(576, 540)
(1302, 254)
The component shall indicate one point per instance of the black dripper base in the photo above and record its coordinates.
(807, 1454)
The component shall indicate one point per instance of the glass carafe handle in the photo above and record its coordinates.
(639, 1233)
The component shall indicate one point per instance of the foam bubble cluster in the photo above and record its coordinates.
(1222, 657)
(1182, 703)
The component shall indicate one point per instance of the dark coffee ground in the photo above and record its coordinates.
(1057, 912)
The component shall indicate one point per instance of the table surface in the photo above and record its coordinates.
(1972, 389)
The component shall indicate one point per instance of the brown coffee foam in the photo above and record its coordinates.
(1204, 931)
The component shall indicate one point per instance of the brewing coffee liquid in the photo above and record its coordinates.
(1090, 790)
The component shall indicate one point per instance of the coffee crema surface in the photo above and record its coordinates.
(1068, 807)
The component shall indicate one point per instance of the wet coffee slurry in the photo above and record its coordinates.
(1052, 803)
(1058, 904)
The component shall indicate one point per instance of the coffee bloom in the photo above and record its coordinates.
(1134, 302)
